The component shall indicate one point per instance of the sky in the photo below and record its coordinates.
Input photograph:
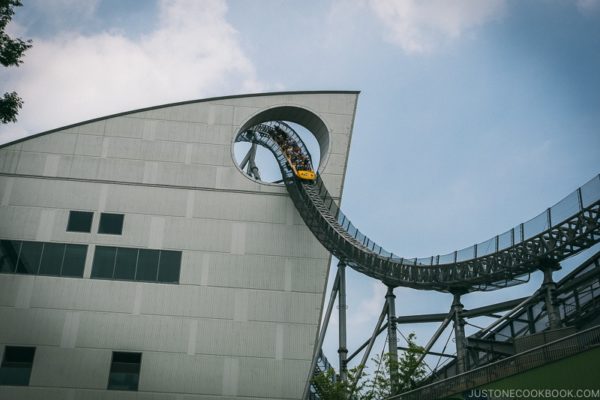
(473, 116)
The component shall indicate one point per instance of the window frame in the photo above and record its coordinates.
(6, 365)
(116, 365)
(99, 270)
(105, 219)
(71, 251)
(75, 213)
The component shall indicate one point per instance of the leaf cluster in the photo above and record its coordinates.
(11, 52)
(378, 386)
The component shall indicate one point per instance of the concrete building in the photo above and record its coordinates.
(138, 261)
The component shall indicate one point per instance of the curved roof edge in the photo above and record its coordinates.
(179, 103)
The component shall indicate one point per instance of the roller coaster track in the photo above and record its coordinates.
(563, 230)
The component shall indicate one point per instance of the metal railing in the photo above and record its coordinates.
(562, 230)
(522, 362)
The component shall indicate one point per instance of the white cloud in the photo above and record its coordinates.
(419, 26)
(588, 6)
(369, 309)
(193, 53)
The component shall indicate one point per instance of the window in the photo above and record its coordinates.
(104, 262)
(146, 265)
(16, 365)
(74, 260)
(9, 255)
(29, 257)
(169, 266)
(111, 224)
(147, 268)
(80, 221)
(40, 258)
(124, 371)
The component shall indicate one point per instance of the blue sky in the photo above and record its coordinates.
(473, 116)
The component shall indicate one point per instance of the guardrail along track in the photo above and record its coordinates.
(573, 224)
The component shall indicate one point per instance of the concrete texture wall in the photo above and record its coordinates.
(243, 319)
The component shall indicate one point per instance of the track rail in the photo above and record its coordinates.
(563, 230)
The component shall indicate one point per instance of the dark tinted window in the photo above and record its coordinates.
(80, 221)
(104, 262)
(126, 262)
(9, 255)
(146, 265)
(52, 259)
(74, 260)
(170, 263)
(29, 258)
(124, 371)
(111, 223)
(147, 269)
(16, 365)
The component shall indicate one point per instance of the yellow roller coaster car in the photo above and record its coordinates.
(304, 174)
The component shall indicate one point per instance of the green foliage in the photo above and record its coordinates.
(330, 387)
(379, 385)
(11, 51)
(9, 107)
(410, 372)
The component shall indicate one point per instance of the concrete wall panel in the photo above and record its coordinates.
(19, 222)
(71, 368)
(59, 143)
(181, 373)
(89, 145)
(83, 294)
(126, 332)
(291, 307)
(146, 200)
(200, 234)
(31, 327)
(31, 163)
(188, 301)
(236, 338)
(241, 207)
(55, 194)
(9, 159)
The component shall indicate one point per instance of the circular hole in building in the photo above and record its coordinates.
(259, 163)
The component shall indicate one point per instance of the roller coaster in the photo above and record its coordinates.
(561, 231)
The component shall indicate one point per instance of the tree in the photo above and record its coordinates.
(329, 386)
(11, 51)
(410, 371)
(379, 385)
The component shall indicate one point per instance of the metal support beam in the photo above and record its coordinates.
(252, 168)
(433, 353)
(378, 329)
(392, 338)
(246, 158)
(510, 313)
(435, 336)
(459, 334)
(321, 339)
(342, 349)
(549, 290)
(365, 344)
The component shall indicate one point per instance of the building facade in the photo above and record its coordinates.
(138, 261)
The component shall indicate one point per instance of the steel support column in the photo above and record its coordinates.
(370, 344)
(459, 334)
(392, 338)
(342, 349)
(321, 338)
(549, 290)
